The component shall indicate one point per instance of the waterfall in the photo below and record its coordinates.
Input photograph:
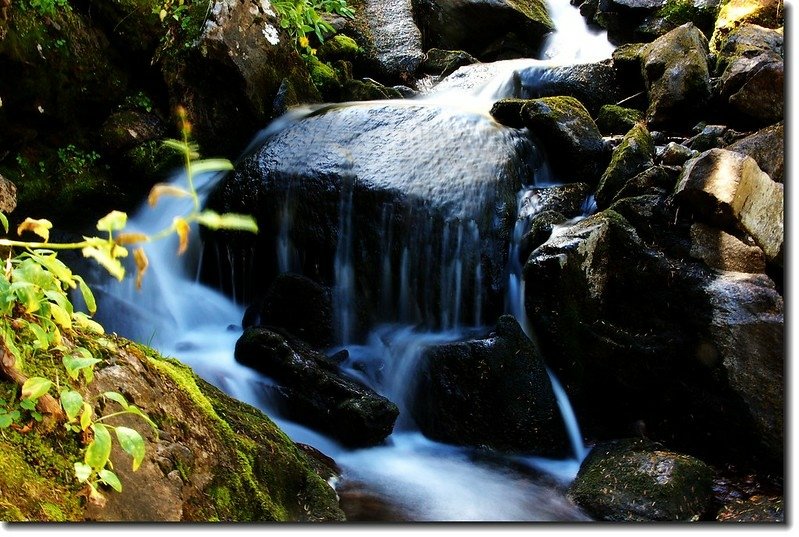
(432, 291)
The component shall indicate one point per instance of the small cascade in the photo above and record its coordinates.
(344, 290)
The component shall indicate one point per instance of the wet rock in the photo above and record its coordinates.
(711, 136)
(657, 180)
(541, 227)
(674, 13)
(445, 62)
(627, 64)
(671, 368)
(755, 509)
(767, 147)
(229, 77)
(614, 119)
(313, 391)
(569, 199)
(396, 39)
(476, 25)
(568, 135)
(621, 17)
(492, 392)
(298, 305)
(728, 189)
(734, 13)
(351, 163)
(752, 75)
(641, 481)
(723, 251)
(674, 154)
(635, 153)
(676, 73)
(593, 84)
(368, 90)
(126, 129)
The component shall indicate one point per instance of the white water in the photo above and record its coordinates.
(425, 479)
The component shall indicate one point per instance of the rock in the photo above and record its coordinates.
(298, 305)
(492, 392)
(734, 13)
(674, 154)
(636, 480)
(339, 47)
(445, 62)
(728, 189)
(712, 136)
(396, 39)
(569, 199)
(351, 164)
(767, 147)
(676, 73)
(129, 24)
(752, 75)
(568, 135)
(674, 13)
(635, 153)
(8, 196)
(614, 119)
(475, 25)
(657, 180)
(509, 112)
(621, 17)
(747, 335)
(313, 391)
(593, 84)
(126, 129)
(627, 65)
(754, 509)
(586, 289)
(541, 227)
(229, 75)
(723, 251)
(368, 90)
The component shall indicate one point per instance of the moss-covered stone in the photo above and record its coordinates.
(325, 79)
(733, 13)
(339, 47)
(635, 153)
(613, 119)
(638, 480)
(368, 90)
(445, 62)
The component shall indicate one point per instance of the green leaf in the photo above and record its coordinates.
(60, 316)
(51, 262)
(211, 165)
(131, 443)
(27, 404)
(132, 409)
(177, 145)
(35, 387)
(110, 478)
(42, 340)
(99, 449)
(108, 261)
(71, 402)
(113, 221)
(35, 415)
(213, 220)
(74, 364)
(82, 471)
(88, 296)
(5, 419)
(86, 416)
(86, 323)
(4, 222)
(118, 397)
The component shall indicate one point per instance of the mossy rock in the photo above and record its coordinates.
(733, 13)
(613, 119)
(445, 62)
(339, 47)
(368, 90)
(325, 79)
(634, 154)
(638, 480)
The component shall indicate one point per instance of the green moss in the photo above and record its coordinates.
(535, 10)
(733, 13)
(339, 47)
(613, 119)
(325, 79)
(634, 154)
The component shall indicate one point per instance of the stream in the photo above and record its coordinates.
(419, 479)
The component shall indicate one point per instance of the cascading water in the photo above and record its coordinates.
(426, 480)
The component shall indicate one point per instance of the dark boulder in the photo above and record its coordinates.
(298, 305)
(657, 180)
(634, 480)
(767, 147)
(758, 508)
(445, 62)
(126, 129)
(394, 39)
(389, 191)
(311, 390)
(632, 156)
(541, 227)
(614, 119)
(477, 25)
(492, 392)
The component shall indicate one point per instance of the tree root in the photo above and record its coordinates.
(47, 404)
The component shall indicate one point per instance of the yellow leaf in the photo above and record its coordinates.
(40, 227)
(165, 189)
(182, 229)
(60, 316)
(108, 259)
(113, 221)
(141, 265)
(162, 15)
(131, 238)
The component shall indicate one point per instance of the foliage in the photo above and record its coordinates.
(47, 7)
(301, 18)
(37, 317)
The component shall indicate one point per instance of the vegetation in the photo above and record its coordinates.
(301, 19)
(40, 326)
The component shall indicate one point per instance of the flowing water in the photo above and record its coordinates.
(424, 480)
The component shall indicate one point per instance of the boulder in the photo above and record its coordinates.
(767, 147)
(396, 40)
(757, 508)
(671, 369)
(362, 210)
(676, 74)
(568, 136)
(712, 136)
(541, 227)
(674, 154)
(674, 13)
(492, 392)
(445, 62)
(311, 390)
(613, 119)
(298, 305)
(729, 189)
(657, 180)
(632, 156)
(621, 17)
(569, 199)
(235, 74)
(126, 129)
(734, 13)
(8, 195)
(476, 25)
(752, 75)
(723, 251)
(367, 90)
(635, 480)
